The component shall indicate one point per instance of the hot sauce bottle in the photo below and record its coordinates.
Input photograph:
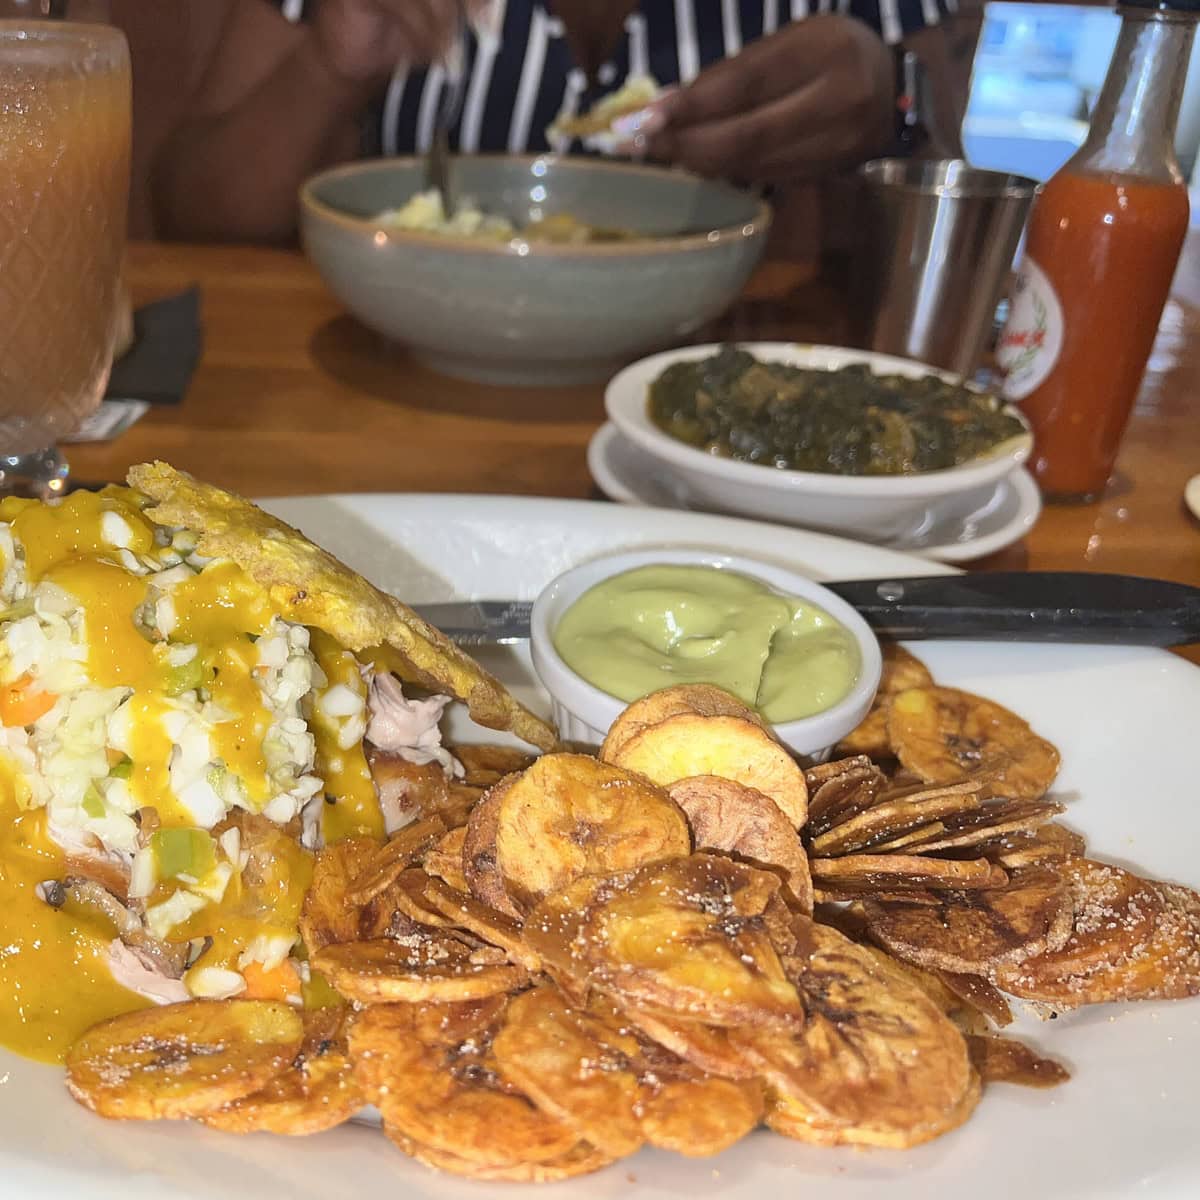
(1103, 241)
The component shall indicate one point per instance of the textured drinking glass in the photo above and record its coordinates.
(64, 162)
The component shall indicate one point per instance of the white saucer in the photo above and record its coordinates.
(970, 527)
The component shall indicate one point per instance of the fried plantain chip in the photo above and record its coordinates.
(699, 699)
(788, 1116)
(427, 965)
(311, 587)
(945, 735)
(889, 819)
(901, 671)
(436, 1082)
(910, 870)
(570, 815)
(582, 1160)
(979, 993)
(326, 917)
(704, 1046)
(574, 1066)
(694, 1114)
(1048, 843)
(479, 851)
(735, 747)
(737, 820)
(317, 1092)
(841, 795)
(992, 819)
(182, 1060)
(467, 913)
(1006, 1060)
(1164, 966)
(393, 857)
(485, 765)
(688, 937)
(444, 859)
(875, 1063)
(976, 931)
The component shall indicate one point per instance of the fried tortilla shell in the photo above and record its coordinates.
(311, 587)
(425, 965)
(738, 820)
(574, 1066)
(570, 815)
(436, 1083)
(182, 1060)
(318, 1091)
(977, 931)
(731, 747)
(688, 937)
(876, 1062)
(944, 735)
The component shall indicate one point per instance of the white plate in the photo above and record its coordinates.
(955, 530)
(1125, 721)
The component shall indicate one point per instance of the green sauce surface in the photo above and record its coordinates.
(659, 625)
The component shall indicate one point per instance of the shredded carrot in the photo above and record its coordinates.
(278, 983)
(21, 703)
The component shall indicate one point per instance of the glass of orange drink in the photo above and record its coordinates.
(64, 160)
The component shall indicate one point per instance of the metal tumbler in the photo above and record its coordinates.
(937, 245)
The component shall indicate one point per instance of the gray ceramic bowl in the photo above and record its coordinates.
(529, 313)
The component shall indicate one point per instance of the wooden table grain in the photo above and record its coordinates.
(293, 396)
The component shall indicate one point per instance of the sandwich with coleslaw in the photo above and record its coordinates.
(194, 698)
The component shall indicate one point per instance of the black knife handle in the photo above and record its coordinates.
(1043, 606)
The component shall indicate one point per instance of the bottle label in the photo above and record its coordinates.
(1033, 335)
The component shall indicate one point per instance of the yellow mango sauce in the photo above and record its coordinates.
(54, 976)
(660, 625)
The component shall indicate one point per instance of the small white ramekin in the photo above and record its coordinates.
(584, 713)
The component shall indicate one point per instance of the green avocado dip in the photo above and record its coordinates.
(845, 422)
(659, 625)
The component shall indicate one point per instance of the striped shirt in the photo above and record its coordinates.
(520, 77)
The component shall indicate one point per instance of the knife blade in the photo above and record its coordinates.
(1017, 606)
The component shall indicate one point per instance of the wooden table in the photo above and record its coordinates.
(293, 396)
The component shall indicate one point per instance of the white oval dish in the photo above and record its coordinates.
(958, 529)
(876, 507)
(584, 713)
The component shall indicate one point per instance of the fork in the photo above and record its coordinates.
(450, 102)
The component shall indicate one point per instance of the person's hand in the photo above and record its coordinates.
(361, 41)
(810, 99)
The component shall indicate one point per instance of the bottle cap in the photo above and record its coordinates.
(1172, 6)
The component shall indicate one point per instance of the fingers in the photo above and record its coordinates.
(426, 27)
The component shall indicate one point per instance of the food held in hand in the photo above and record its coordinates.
(601, 118)
(653, 626)
(845, 422)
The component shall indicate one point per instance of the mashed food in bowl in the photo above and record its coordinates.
(424, 213)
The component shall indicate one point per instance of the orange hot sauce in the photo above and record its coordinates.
(1103, 242)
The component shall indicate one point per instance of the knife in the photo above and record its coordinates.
(1012, 606)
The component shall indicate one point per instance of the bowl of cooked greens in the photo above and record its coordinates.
(823, 436)
(549, 270)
